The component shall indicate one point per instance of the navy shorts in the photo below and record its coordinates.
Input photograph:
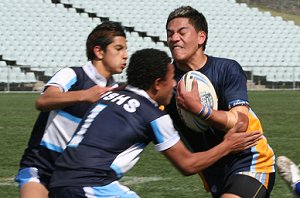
(247, 186)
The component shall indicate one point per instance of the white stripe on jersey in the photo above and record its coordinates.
(165, 133)
(59, 130)
(78, 137)
(63, 79)
(112, 190)
(127, 159)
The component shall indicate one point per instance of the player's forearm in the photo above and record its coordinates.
(202, 160)
(218, 119)
(189, 163)
(58, 100)
(221, 120)
(225, 120)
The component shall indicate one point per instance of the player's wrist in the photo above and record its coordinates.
(81, 96)
(205, 112)
(225, 147)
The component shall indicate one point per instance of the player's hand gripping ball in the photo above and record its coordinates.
(208, 97)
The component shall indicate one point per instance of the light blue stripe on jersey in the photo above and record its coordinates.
(157, 132)
(72, 82)
(68, 116)
(254, 159)
(114, 189)
(117, 170)
(51, 146)
(262, 178)
(27, 174)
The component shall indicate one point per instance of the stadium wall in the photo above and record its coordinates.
(287, 6)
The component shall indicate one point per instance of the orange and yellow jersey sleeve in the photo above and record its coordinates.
(263, 159)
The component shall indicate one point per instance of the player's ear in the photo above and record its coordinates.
(98, 52)
(157, 84)
(201, 37)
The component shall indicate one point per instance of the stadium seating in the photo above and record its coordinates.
(41, 36)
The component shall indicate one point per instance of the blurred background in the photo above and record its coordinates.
(39, 37)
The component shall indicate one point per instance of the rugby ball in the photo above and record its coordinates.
(207, 95)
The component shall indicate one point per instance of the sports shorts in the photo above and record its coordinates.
(247, 186)
(32, 174)
(114, 189)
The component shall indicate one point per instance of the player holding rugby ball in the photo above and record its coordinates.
(245, 174)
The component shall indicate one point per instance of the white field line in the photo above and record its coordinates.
(127, 180)
(8, 182)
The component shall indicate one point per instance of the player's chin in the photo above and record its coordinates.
(178, 57)
(119, 70)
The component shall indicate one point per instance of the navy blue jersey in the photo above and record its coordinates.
(230, 83)
(111, 137)
(53, 129)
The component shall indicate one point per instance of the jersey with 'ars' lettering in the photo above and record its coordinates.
(53, 129)
(229, 81)
(111, 137)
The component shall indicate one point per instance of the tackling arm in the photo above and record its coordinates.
(53, 98)
(190, 163)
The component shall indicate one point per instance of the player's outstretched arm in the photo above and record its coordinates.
(53, 98)
(190, 163)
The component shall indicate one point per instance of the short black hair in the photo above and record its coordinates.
(103, 35)
(197, 19)
(145, 66)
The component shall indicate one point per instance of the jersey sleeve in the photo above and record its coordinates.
(165, 134)
(63, 79)
(235, 88)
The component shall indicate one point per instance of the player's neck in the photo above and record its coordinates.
(101, 69)
(195, 62)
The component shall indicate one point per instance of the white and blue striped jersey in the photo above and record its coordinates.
(111, 137)
(54, 129)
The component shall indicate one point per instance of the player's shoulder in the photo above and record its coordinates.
(134, 102)
(149, 110)
(223, 61)
(225, 65)
(152, 110)
(65, 72)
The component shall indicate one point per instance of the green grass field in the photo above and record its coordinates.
(153, 176)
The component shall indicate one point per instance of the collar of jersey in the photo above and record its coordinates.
(93, 74)
(141, 93)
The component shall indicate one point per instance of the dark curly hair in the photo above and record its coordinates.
(102, 35)
(196, 19)
(145, 66)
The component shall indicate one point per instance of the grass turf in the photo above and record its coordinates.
(153, 176)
